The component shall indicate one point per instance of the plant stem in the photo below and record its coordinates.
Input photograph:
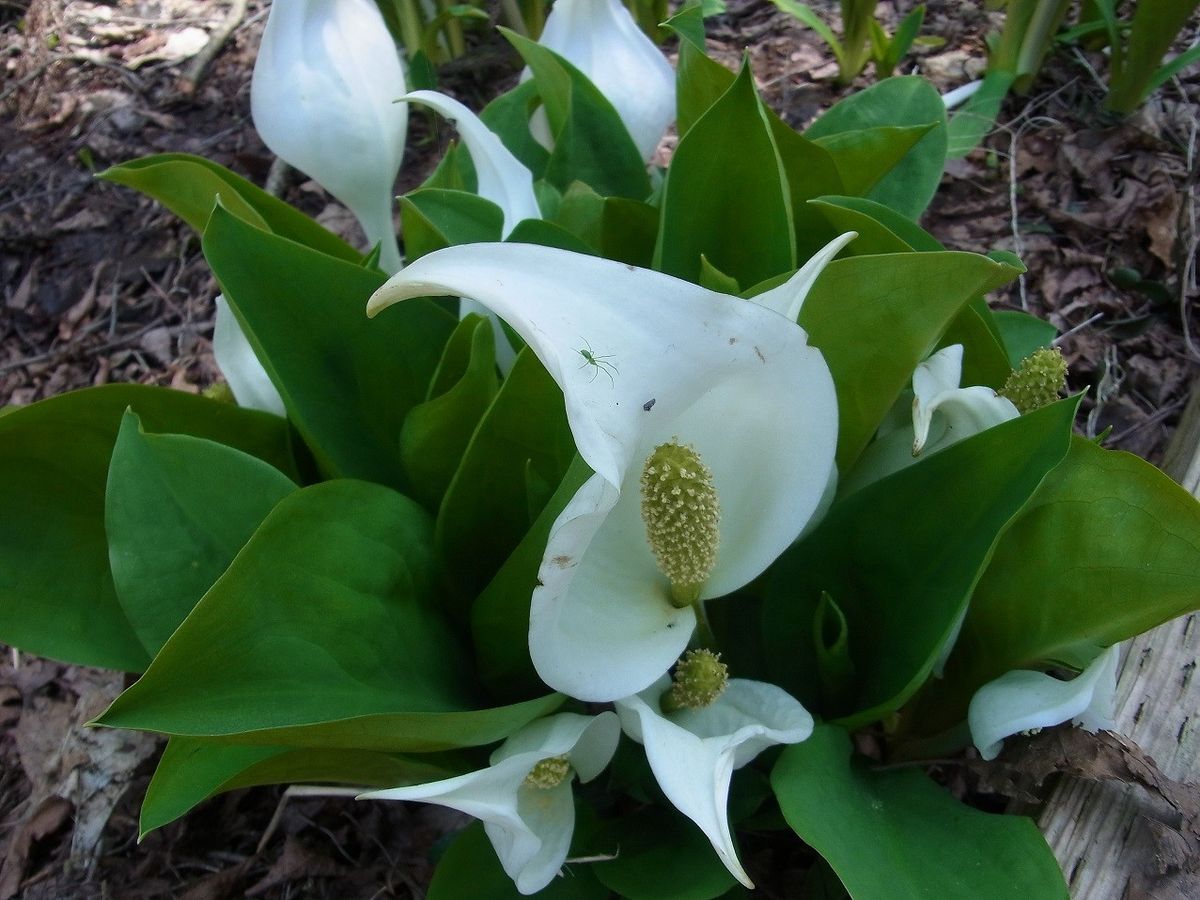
(857, 16)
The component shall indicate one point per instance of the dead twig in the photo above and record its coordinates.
(1188, 241)
(63, 353)
(1091, 320)
(1016, 130)
(301, 790)
(1153, 419)
(29, 76)
(277, 177)
(191, 78)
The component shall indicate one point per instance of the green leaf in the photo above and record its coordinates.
(1108, 548)
(805, 13)
(809, 171)
(190, 771)
(508, 117)
(864, 156)
(322, 634)
(874, 237)
(659, 856)
(548, 198)
(822, 883)
(879, 231)
(831, 643)
(422, 74)
(436, 433)
(455, 171)
(725, 197)
(887, 295)
(688, 24)
(974, 120)
(613, 227)
(902, 101)
(177, 510)
(902, 557)
(902, 40)
(895, 835)
(875, 223)
(500, 617)
(715, 280)
(549, 234)
(628, 231)
(1169, 70)
(880, 43)
(485, 511)
(985, 360)
(435, 27)
(189, 186)
(591, 143)
(433, 218)
(57, 596)
(581, 212)
(1023, 334)
(469, 868)
(699, 80)
(1156, 24)
(347, 382)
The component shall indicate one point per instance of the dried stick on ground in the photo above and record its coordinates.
(194, 74)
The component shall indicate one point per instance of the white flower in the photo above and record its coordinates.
(961, 94)
(693, 752)
(501, 178)
(249, 381)
(960, 412)
(644, 359)
(601, 39)
(524, 797)
(322, 97)
(1023, 700)
(942, 414)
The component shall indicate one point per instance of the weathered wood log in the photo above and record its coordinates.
(1115, 842)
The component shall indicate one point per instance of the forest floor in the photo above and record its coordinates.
(102, 285)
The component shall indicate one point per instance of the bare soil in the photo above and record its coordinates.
(101, 285)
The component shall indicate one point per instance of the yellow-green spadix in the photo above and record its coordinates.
(694, 748)
(524, 797)
(644, 359)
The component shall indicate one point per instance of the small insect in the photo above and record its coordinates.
(599, 363)
(649, 404)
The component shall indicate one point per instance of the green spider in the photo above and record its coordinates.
(599, 363)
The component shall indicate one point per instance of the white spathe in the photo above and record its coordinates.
(1024, 700)
(530, 827)
(322, 97)
(693, 752)
(788, 298)
(249, 381)
(643, 358)
(942, 415)
(601, 39)
(961, 94)
(961, 411)
(501, 178)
